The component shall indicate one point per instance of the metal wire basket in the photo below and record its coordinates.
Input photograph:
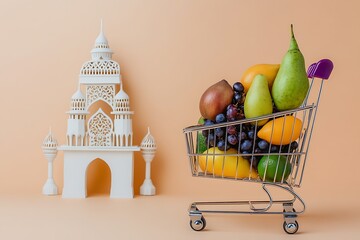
(282, 160)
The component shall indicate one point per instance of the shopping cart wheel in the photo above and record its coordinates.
(291, 227)
(198, 225)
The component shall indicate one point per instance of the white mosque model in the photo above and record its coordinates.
(97, 136)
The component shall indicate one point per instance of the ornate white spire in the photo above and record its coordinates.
(101, 50)
(121, 94)
(49, 147)
(50, 141)
(78, 95)
(100, 69)
(78, 102)
(148, 142)
(101, 41)
(148, 149)
(121, 101)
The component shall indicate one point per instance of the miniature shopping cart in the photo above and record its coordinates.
(286, 176)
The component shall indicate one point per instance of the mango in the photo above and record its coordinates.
(215, 99)
(281, 131)
(268, 70)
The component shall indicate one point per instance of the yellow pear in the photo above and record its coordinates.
(258, 100)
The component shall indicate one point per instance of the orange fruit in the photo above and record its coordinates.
(281, 131)
(269, 70)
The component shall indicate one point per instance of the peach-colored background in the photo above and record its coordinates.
(169, 53)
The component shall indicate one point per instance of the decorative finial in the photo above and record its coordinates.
(101, 25)
(49, 148)
(148, 142)
(50, 142)
(148, 148)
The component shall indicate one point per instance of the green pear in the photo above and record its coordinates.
(258, 100)
(291, 83)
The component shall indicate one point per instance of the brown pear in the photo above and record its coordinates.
(215, 99)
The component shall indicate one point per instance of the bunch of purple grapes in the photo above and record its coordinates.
(241, 137)
(231, 136)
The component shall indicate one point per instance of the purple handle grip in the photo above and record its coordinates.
(322, 69)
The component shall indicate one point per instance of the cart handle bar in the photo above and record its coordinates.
(322, 69)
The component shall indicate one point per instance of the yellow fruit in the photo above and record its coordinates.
(284, 130)
(224, 165)
(269, 70)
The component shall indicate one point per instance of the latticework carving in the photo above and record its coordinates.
(100, 129)
(104, 67)
(122, 105)
(101, 45)
(100, 92)
(78, 104)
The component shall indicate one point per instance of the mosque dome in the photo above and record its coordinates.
(148, 142)
(50, 141)
(78, 95)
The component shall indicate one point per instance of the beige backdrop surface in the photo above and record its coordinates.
(169, 53)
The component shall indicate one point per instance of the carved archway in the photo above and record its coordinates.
(98, 178)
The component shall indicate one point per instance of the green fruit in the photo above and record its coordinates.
(258, 101)
(291, 84)
(270, 163)
(201, 121)
(201, 143)
(201, 140)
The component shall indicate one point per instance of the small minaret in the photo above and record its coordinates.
(76, 123)
(49, 148)
(122, 122)
(148, 149)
